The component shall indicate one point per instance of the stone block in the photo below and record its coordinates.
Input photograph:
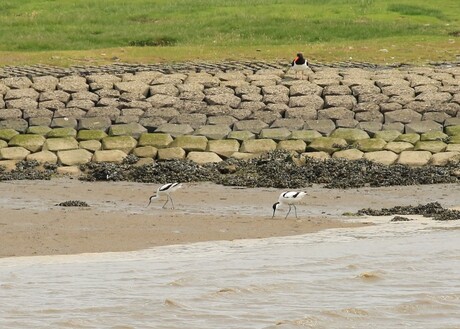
(398, 147)
(409, 138)
(414, 158)
(219, 131)
(302, 113)
(344, 101)
(223, 99)
(305, 135)
(336, 113)
(291, 124)
(336, 90)
(421, 127)
(241, 135)
(74, 157)
(3, 144)
(17, 82)
(203, 157)
(7, 134)
(128, 129)
(64, 123)
(277, 134)
(351, 135)
(223, 148)
(431, 146)
(116, 156)
(43, 157)
(175, 129)
(387, 135)
(226, 120)
(33, 143)
(44, 122)
(195, 120)
(73, 84)
(295, 145)
(327, 144)
(382, 157)
(370, 127)
(60, 144)
(325, 127)
(443, 159)
(350, 154)
(306, 88)
(94, 123)
(123, 143)
(9, 165)
(61, 132)
(244, 156)
(171, 153)
(453, 122)
(13, 153)
(38, 130)
(258, 146)
(156, 140)
(68, 170)
(455, 139)
(434, 136)
(398, 126)
(309, 101)
(20, 125)
(453, 148)
(403, 116)
(190, 143)
(135, 87)
(85, 135)
(254, 126)
(90, 145)
(370, 144)
(451, 130)
(145, 152)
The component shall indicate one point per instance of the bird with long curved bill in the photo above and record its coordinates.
(289, 198)
(166, 189)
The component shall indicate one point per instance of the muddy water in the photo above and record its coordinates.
(391, 275)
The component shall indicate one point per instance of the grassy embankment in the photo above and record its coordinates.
(88, 32)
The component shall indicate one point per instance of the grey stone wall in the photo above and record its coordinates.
(324, 112)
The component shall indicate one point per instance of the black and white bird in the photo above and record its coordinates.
(299, 64)
(289, 198)
(166, 189)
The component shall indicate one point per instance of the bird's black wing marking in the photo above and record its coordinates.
(166, 187)
(295, 195)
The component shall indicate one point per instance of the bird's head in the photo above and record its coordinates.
(275, 207)
(299, 55)
(153, 197)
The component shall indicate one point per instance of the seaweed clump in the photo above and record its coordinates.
(432, 209)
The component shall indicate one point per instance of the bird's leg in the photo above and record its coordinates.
(295, 209)
(167, 199)
(288, 212)
(171, 201)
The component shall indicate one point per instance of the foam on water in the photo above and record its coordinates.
(402, 274)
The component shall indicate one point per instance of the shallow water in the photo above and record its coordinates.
(391, 275)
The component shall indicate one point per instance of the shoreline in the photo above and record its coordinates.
(118, 219)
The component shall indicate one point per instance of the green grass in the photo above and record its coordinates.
(41, 28)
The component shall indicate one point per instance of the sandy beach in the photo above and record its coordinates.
(117, 218)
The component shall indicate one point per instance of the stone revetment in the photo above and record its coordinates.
(407, 115)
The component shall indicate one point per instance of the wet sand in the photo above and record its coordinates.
(31, 223)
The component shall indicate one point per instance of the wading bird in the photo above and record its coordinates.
(299, 64)
(289, 198)
(166, 189)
